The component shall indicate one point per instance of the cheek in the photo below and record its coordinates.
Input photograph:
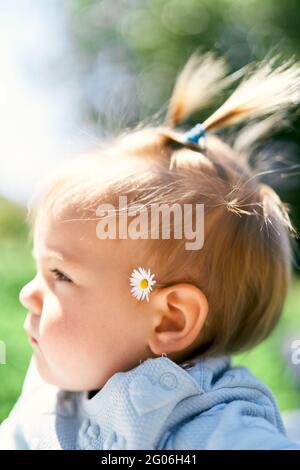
(72, 329)
(83, 341)
(56, 329)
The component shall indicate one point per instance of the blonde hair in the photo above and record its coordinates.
(244, 267)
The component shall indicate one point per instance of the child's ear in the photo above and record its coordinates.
(179, 313)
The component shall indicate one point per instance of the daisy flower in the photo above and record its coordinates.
(141, 282)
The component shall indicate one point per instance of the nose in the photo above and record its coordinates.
(31, 297)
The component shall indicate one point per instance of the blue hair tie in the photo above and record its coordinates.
(196, 135)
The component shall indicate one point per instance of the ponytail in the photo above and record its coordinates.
(266, 89)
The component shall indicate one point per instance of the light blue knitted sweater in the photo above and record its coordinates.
(159, 404)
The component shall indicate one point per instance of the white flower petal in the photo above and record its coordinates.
(135, 281)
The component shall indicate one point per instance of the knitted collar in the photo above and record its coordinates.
(134, 408)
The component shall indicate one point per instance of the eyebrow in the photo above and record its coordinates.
(51, 253)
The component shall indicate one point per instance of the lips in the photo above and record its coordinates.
(28, 329)
(32, 340)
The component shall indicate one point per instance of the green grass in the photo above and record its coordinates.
(17, 267)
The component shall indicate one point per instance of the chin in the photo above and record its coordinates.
(52, 375)
(43, 371)
(46, 373)
(61, 383)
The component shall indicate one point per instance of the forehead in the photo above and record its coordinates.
(68, 238)
(75, 240)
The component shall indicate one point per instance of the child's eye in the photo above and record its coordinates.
(60, 276)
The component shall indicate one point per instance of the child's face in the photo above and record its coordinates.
(89, 327)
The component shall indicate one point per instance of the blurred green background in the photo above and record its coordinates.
(124, 57)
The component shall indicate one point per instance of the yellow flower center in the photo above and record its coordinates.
(144, 284)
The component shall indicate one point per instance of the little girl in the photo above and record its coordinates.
(132, 331)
